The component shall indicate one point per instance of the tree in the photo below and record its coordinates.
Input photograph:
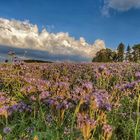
(128, 54)
(136, 53)
(104, 55)
(120, 54)
(114, 56)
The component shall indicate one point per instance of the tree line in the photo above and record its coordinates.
(129, 54)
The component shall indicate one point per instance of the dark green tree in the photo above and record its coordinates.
(104, 55)
(114, 56)
(120, 54)
(128, 54)
(136, 53)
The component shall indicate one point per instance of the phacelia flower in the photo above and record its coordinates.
(7, 130)
(137, 75)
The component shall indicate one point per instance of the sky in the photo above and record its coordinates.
(112, 21)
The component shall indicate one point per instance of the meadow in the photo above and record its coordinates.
(68, 101)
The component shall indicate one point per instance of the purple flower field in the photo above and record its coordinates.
(68, 101)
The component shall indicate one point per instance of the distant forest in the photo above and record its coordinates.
(122, 54)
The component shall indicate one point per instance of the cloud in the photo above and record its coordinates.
(119, 5)
(38, 54)
(24, 35)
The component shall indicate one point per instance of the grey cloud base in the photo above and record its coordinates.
(39, 55)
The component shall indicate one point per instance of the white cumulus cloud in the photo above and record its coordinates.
(24, 35)
(120, 5)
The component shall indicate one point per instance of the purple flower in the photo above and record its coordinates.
(14, 107)
(88, 85)
(7, 130)
(102, 99)
(44, 95)
(21, 106)
(107, 128)
(51, 101)
(63, 105)
(101, 68)
(108, 106)
(129, 86)
(83, 120)
(33, 98)
(137, 75)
